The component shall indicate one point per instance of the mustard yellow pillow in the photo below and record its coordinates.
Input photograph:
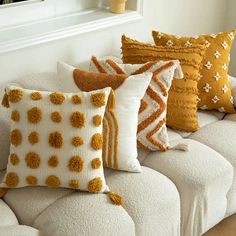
(214, 87)
(182, 100)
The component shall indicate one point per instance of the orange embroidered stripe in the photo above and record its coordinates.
(143, 106)
(98, 65)
(104, 144)
(164, 67)
(144, 68)
(147, 66)
(110, 134)
(142, 146)
(152, 132)
(115, 67)
(155, 114)
(161, 85)
(115, 139)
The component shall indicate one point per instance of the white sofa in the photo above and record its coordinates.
(178, 193)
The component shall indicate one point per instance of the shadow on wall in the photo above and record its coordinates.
(10, 1)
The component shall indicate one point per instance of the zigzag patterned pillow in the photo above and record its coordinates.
(120, 124)
(152, 131)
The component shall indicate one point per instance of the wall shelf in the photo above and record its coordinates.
(40, 31)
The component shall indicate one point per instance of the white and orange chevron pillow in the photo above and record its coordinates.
(152, 132)
(120, 122)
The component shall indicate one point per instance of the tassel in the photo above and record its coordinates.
(111, 103)
(5, 101)
(3, 191)
(116, 199)
(180, 146)
(178, 71)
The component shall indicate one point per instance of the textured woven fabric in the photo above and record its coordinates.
(54, 141)
(120, 124)
(152, 132)
(214, 87)
(182, 101)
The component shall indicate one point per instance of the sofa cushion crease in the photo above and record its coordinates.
(30, 202)
(199, 180)
(216, 136)
(151, 200)
(81, 213)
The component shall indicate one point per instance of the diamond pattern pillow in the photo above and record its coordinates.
(152, 132)
(214, 87)
(56, 139)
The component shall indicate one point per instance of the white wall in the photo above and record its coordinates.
(230, 23)
(181, 17)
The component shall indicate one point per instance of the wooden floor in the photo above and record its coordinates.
(227, 227)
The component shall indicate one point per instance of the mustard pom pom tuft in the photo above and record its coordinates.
(116, 199)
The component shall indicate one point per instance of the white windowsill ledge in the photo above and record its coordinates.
(42, 31)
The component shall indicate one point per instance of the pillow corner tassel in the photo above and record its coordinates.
(180, 146)
(5, 101)
(3, 192)
(116, 198)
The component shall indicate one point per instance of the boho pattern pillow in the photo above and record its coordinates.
(152, 131)
(56, 140)
(119, 124)
(182, 100)
(214, 87)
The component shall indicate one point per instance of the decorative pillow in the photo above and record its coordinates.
(46, 81)
(182, 100)
(120, 124)
(214, 87)
(152, 131)
(56, 140)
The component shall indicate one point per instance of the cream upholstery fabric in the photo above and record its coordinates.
(151, 200)
(7, 217)
(19, 230)
(84, 215)
(28, 203)
(204, 118)
(221, 136)
(203, 178)
(231, 117)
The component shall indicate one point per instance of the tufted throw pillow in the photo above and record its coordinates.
(152, 132)
(214, 87)
(182, 100)
(55, 141)
(119, 124)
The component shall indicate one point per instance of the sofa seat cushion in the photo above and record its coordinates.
(151, 200)
(221, 136)
(84, 214)
(29, 202)
(7, 217)
(202, 177)
(231, 117)
(19, 230)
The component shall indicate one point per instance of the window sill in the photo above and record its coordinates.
(42, 31)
